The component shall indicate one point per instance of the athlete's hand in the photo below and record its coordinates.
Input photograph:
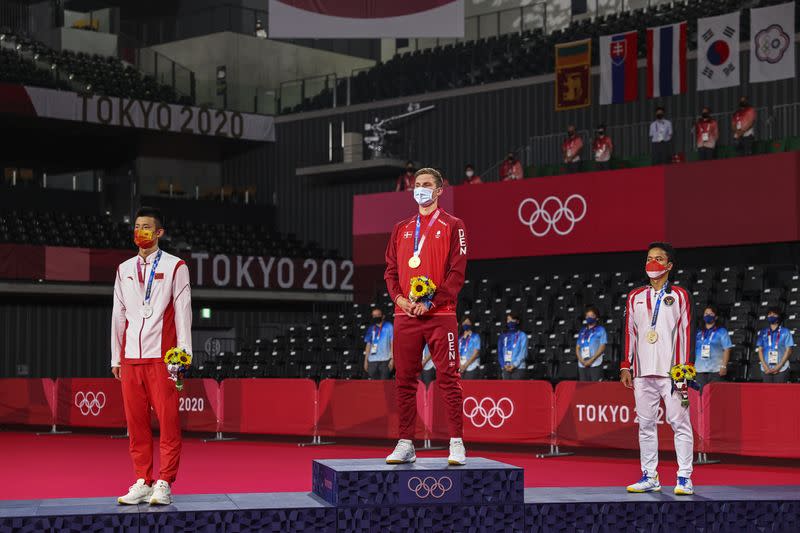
(419, 309)
(625, 378)
(405, 305)
(117, 371)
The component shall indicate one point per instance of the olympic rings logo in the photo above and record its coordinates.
(547, 215)
(90, 403)
(430, 486)
(487, 411)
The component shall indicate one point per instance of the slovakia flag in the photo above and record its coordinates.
(618, 78)
(666, 60)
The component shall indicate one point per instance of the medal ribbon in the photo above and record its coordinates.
(654, 313)
(417, 242)
(710, 336)
(380, 333)
(777, 340)
(151, 278)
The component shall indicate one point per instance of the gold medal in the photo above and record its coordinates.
(415, 261)
(652, 336)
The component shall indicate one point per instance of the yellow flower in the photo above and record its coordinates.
(677, 373)
(690, 371)
(184, 359)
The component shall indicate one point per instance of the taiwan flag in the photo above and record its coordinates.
(618, 78)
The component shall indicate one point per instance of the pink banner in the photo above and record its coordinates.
(269, 406)
(89, 402)
(603, 415)
(363, 409)
(753, 419)
(499, 411)
(26, 401)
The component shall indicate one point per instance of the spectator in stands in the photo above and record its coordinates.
(378, 360)
(261, 33)
(511, 169)
(742, 124)
(470, 177)
(571, 149)
(774, 346)
(512, 349)
(602, 147)
(661, 138)
(591, 346)
(405, 181)
(469, 349)
(428, 370)
(706, 135)
(712, 349)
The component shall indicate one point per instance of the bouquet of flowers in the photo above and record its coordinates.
(422, 289)
(683, 378)
(178, 362)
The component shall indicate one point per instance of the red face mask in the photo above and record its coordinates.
(144, 238)
(655, 269)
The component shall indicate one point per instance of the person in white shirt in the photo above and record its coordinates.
(152, 313)
(658, 336)
(661, 138)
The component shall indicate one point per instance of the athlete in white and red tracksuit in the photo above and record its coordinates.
(441, 254)
(142, 331)
(658, 320)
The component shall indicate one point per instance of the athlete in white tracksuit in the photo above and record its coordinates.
(657, 337)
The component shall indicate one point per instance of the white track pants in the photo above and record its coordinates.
(648, 392)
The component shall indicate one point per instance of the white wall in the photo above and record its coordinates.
(253, 64)
(90, 42)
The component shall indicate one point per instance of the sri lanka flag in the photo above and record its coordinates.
(618, 79)
(666, 60)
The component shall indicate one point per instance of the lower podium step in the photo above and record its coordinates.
(371, 482)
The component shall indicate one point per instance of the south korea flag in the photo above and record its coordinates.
(718, 52)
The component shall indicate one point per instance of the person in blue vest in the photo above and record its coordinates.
(469, 350)
(591, 345)
(378, 361)
(712, 349)
(512, 348)
(428, 369)
(774, 347)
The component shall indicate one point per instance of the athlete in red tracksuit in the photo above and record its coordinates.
(432, 243)
(152, 313)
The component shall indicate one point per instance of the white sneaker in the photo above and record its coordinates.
(403, 453)
(684, 487)
(458, 455)
(161, 493)
(139, 492)
(646, 484)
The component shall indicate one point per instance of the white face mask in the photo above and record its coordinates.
(470, 173)
(423, 195)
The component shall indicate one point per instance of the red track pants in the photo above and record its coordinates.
(145, 385)
(441, 335)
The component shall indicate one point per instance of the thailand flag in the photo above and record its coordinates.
(618, 78)
(666, 60)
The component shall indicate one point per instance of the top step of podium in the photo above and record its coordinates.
(371, 482)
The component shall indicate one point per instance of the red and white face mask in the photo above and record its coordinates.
(655, 269)
(144, 238)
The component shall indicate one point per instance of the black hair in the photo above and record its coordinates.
(712, 307)
(410, 163)
(777, 310)
(660, 108)
(469, 165)
(514, 315)
(667, 247)
(376, 308)
(593, 308)
(151, 212)
(601, 126)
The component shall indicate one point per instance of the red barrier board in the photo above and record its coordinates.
(26, 401)
(499, 411)
(363, 409)
(198, 406)
(268, 406)
(753, 419)
(603, 415)
(89, 402)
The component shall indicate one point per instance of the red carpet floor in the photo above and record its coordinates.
(93, 465)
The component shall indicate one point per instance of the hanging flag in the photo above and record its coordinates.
(573, 89)
(718, 52)
(772, 43)
(666, 60)
(619, 81)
